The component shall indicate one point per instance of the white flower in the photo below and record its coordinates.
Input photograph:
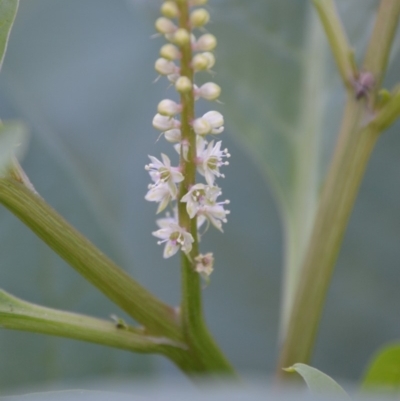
(216, 214)
(201, 200)
(165, 123)
(182, 149)
(165, 67)
(173, 135)
(173, 236)
(163, 172)
(168, 108)
(204, 264)
(210, 159)
(203, 61)
(208, 91)
(170, 52)
(160, 193)
(165, 26)
(211, 123)
(206, 42)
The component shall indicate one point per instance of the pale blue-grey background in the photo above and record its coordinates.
(80, 74)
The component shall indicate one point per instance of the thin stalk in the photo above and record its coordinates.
(355, 144)
(337, 38)
(191, 306)
(75, 249)
(195, 330)
(350, 161)
(16, 314)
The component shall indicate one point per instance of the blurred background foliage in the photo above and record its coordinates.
(80, 74)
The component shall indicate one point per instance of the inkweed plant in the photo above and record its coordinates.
(186, 189)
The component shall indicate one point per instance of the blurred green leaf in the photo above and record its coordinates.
(319, 383)
(383, 372)
(13, 136)
(8, 10)
(283, 99)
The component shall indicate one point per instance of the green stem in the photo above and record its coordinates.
(191, 305)
(75, 249)
(337, 38)
(195, 330)
(355, 144)
(344, 178)
(378, 51)
(16, 314)
(389, 113)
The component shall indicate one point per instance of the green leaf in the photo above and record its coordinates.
(13, 136)
(319, 383)
(8, 11)
(383, 372)
(282, 93)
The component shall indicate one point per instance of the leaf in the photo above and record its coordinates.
(383, 372)
(319, 383)
(283, 100)
(8, 11)
(13, 137)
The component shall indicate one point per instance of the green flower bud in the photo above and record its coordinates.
(199, 18)
(183, 85)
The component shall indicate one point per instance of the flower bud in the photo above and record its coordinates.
(169, 9)
(199, 63)
(209, 91)
(165, 26)
(199, 18)
(205, 43)
(168, 108)
(216, 120)
(201, 126)
(211, 59)
(173, 135)
(163, 123)
(183, 85)
(180, 37)
(204, 264)
(203, 61)
(170, 52)
(165, 67)
(211, 123)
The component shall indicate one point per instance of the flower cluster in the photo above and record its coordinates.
(191, 136)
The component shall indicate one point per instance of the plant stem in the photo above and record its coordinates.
(75, 249)
(350, 160)
(337, 39)
(378, 51)
(16, 314)
(355, 144)
(191, 306)
(195, 330)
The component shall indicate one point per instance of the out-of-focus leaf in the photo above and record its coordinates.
(283, 99)
(8, 10)
(383, 372)
(319, 383)
(13, 136)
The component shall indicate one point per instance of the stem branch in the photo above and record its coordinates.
(355, 144)
(75, 249)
